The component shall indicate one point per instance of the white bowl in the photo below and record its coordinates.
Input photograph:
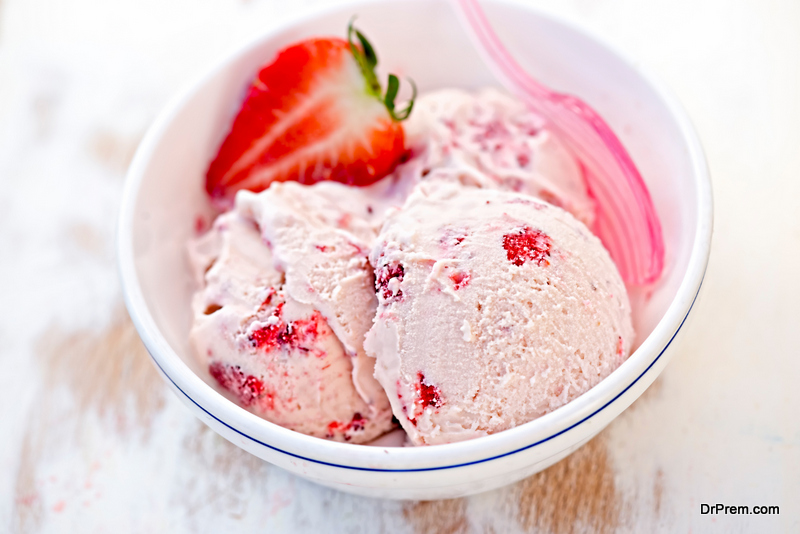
(421, 38)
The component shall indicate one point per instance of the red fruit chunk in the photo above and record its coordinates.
(527, 244)
(460, 279)
(247, 388)
(427, 395)
(267, 336)
(271, 292)
(356, 424)
(385, 274)
(297, 334)
(315, 113)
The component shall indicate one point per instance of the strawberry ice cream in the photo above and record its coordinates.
(438, 271)
(495, 142)
(280, 341)
(494, 309)
(471, 273)
(320, 237)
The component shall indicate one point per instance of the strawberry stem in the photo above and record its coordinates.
(391, 93)
(367, 60)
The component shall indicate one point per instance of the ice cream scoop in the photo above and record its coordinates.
(280, 356)
(494, 309)
(320, 237)
(496, 142)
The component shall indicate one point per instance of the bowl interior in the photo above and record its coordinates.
(421, 39)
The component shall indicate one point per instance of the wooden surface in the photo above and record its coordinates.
(91, 440)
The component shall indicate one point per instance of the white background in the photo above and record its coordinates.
(90, 444)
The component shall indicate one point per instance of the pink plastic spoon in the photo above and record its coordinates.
(626, 221)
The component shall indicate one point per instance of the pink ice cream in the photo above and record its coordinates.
(480, 307)
(286, 298)
(320, 237)
(495, 308)
(495, 142)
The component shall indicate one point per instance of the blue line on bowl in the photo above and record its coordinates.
(454, 465)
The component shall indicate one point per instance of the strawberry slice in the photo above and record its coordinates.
(317, 112)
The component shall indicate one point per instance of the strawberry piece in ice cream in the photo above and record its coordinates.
(277, 356)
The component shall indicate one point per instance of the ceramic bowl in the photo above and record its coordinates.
(164, 198)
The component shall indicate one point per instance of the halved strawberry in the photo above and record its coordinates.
(317, 112)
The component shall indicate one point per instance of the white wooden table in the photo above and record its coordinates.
(90, 439)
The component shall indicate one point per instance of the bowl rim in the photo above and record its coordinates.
(411, 459)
